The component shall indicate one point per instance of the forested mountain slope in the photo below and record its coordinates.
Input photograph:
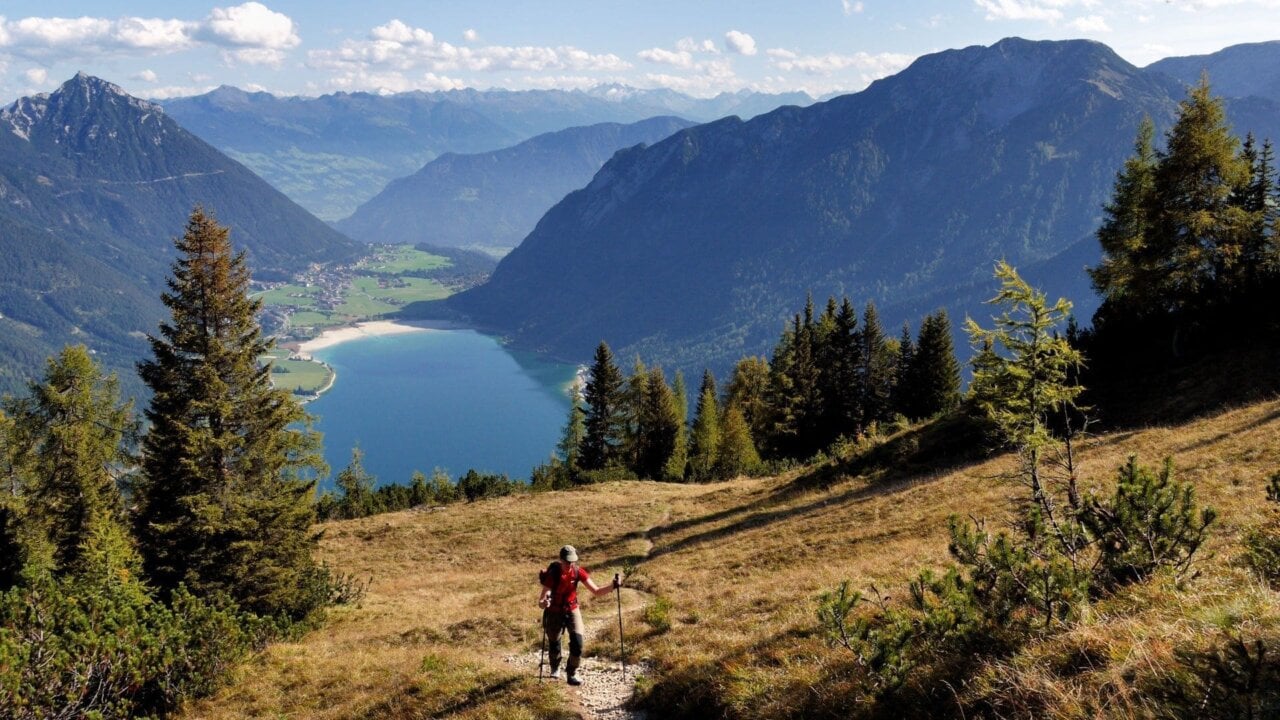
(694, 250)
(494, 199)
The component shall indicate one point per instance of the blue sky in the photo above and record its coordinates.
(160, 49)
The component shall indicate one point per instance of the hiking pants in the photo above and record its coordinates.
(556, 623)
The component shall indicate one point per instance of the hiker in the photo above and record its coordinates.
(559, 603)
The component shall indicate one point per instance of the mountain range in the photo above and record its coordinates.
(94, 184)
(333, 152)
(494, 199)
(696, 249)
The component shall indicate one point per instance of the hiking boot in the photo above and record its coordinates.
(574, 680)
(555, 674)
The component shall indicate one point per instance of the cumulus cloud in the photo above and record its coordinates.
(690, 45)
(470, 35)
(867, 66)
(740, 42)
(1045, 10)
(679, 58)
(145, 76)
(383, 58)
(36, 76)
(851, 8)
(250, 33)
(1090, 23)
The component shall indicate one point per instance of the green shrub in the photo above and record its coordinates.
(657, 614)
(1262, 544)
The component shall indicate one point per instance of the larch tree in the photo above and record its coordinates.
(224, 503)
(569, 449)
(748, 389)
(736, 454)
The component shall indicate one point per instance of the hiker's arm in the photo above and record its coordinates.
(598, 591)
(544, 598)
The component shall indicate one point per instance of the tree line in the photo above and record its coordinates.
(830, 376)
(136, 566)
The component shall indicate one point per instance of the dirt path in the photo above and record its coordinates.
(605, 690)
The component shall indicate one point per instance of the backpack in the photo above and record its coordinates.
(551, 578)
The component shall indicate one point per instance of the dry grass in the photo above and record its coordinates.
(742, 563)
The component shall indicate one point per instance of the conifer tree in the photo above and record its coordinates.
(875, 376)
(1126, 275)
(222, 504)
(674, 469)
(1199, 230)
(748, 389)
(934, 371)
(902, 401)
(633, 400)
(569, 449)
(704, 440)
(604, 412)
(76, 436)
(419, 490)
(355, 485)
(659, 427)
(736, 454)
(845, 369)
(1025, 378)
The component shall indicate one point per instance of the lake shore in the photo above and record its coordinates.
(372, 328)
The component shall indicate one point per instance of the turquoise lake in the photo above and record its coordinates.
(452, 399)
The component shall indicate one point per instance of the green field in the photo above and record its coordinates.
(290, 295)
(296, 374)
(402, 289)
(316, 319)
(403, 259)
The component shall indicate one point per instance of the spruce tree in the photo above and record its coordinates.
(875, 375)
(704, 440)
(1126, 275)
(934, 371)
(222, 504)
(902, 400)
(736, 454)
(356, 497)
(604, 412)
(845, 370)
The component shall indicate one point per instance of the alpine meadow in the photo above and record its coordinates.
(610, 362)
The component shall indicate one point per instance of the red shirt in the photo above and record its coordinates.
(564, 593)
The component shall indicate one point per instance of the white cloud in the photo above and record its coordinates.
(171, 91)
(851, 7)
(690, 45)
(145, 76)
(396, 47)
(1090, 23)
(867, 66)
(1021, 9)
(680, 58)
(250, 33)
(740, 42)
(251, 25)
(470, 35)
(36, 76)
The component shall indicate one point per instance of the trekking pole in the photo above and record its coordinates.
(622, 645)
(542, 624)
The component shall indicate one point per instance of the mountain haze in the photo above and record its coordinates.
(696, 249)
(333, 152)
(494, 199)
(94, 185)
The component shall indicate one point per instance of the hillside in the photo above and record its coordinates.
(740, 565)
(95, 185)
(695, 249)
(333, 152)
(494, 199)
(1239, 71)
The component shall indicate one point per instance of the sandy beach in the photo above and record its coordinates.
(373, 328)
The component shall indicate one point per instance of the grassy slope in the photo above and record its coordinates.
(742, 563)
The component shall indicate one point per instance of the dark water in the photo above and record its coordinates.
(453, 399)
